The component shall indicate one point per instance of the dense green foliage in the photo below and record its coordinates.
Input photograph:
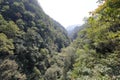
(34, 47)
(98, 45)
(29, 39)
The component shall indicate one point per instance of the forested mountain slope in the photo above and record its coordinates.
(73, 34)
(98, 45)
(31, 42)
(28, 40)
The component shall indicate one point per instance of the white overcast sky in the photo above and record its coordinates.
(68, 12)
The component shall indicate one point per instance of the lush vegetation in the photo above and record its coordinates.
(98, 45)
(29, 39)
(35, 47)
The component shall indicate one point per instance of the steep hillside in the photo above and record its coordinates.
(73, 33)
(71, 30)
(28, 40)
(35, 47)
(95, 54)
(98, 46)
